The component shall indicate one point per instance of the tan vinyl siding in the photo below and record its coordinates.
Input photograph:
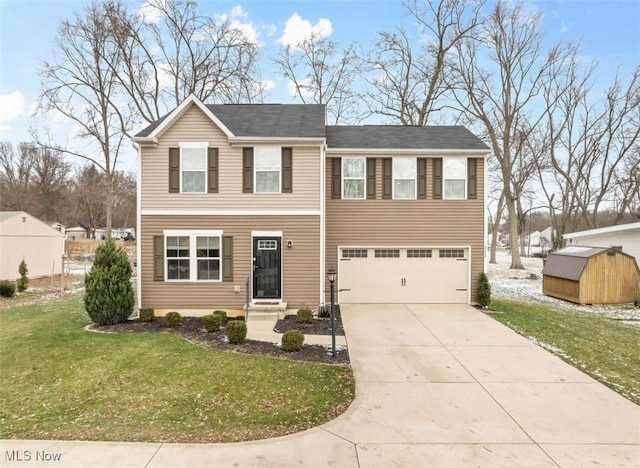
(301, 263)
(195, 126)
(397, 223)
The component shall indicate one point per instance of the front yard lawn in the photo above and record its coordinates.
(606, 349)
(62, 382)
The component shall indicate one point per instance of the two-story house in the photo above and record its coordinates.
(267, 195)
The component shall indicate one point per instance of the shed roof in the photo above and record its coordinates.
(569, 263)
(8, 214)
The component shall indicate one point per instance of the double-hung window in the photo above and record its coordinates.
(267, 162)
(193, 256)
(353, 178)
(404, 178)
(455, 178)
(193, 167)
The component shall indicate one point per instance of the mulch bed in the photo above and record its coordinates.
(192, 330)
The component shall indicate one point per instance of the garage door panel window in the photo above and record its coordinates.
(419, 253)
(354, 253)
(353, 178)
(455, 178)
(451, 253)
(404, 178)
(387, 253)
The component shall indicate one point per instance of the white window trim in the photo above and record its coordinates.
(193, 259)
(255, 171)
(363, 178)
(195, 145)
(444, 179)
(415, 180)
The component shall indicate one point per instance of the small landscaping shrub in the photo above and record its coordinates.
(305, 315)
(23, 281)
(222, 314)
(174, 319)
(7, 288)
(212, 323)
(147, 315)
(292, 340)
(483, 295)
(236, 331)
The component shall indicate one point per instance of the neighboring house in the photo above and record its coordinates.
(24, 237)
(58, 227)
(625, 236)
(533, 239)
(77, 232)
(268, 194)
(546, 239)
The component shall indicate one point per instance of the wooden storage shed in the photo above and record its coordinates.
(591, 275)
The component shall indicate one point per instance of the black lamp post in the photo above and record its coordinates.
(331, 275)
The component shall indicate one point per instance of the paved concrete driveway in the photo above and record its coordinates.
(437, 385)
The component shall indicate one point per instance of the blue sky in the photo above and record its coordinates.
(609, 30)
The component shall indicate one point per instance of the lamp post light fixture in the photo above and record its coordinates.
(331, 275)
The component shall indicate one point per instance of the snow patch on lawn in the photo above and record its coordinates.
(526, 285)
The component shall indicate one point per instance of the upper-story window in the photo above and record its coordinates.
(193, 167)
(353, 178)
(455, 178)
(267, 164)
(404, 178)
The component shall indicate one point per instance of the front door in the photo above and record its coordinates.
(266, 268)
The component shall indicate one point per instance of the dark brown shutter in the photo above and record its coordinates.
(437, 178)
(247, 170)
(287, 170)
(227, 258)
(212, 164)
(387, 178)
(472, 178)
(158, 258)
(174, 170)
(422, 178)
(371, 178)
(336, 178)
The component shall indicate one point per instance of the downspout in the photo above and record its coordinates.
(323, 183)
(486, 221)
(138, 229)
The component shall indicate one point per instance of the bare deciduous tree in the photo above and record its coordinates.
(87, 199)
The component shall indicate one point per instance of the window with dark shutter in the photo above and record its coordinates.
(212, 165)
(227, 258)
(336, 178)
(437, 178)
(174, 170)
(247, 170)
(422, 178)
(371, 178)
(158, 258)
(387, 178)
(472, 178)
(287, 170)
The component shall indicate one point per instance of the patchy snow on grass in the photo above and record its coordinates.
(526, 285)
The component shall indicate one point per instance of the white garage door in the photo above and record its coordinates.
(403, 275)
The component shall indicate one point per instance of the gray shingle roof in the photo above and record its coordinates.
(403, 137)
(569, 263)
(265, 120)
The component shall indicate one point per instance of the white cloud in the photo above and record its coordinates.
(150, 13)
(237, 20)
(11, 106)
(305, 90)
(564, 27)
(297, 29)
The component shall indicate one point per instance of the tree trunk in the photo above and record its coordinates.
(496, 225)
(516, 262)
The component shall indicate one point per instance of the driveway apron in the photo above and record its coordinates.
(437, 386)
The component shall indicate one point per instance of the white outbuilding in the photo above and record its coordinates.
(24, 237)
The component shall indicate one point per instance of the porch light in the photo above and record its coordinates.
(331, 275)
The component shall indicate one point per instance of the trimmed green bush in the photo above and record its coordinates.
(292, 341)
(212, 323)
(109, 297)
(236, 331)
(173, 319)
(23, 281)
(305, 315)
(147, 315)
(7, 288)
(483, 294)
(222, 314)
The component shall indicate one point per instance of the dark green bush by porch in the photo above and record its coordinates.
(222, 314)
(109, 297)
(147, 315)
(7, 288)
(236, 331)
(305, 315)
(212, 323)
(483, 294)
(173, 319)
(292, 340)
